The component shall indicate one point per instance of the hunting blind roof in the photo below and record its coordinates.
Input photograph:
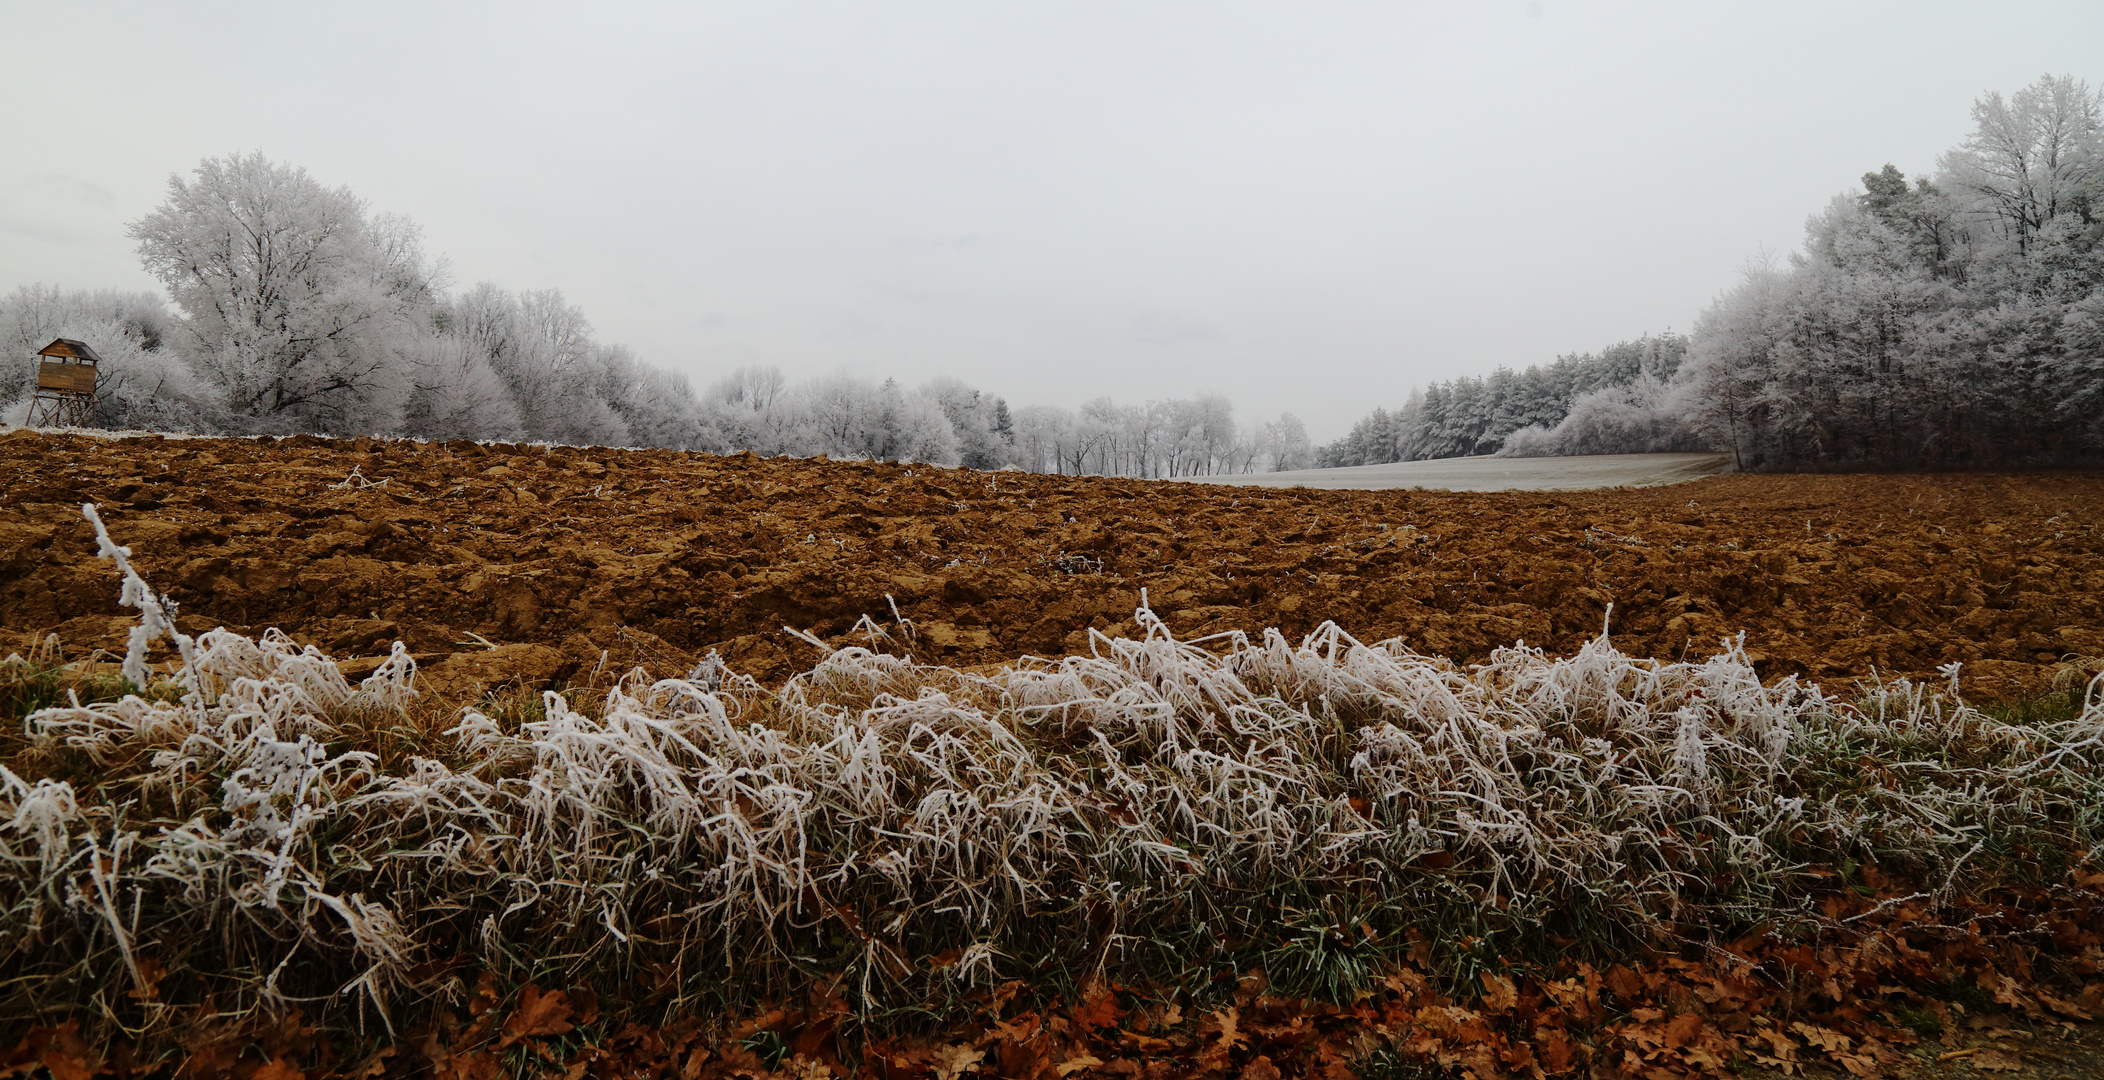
(67, 347)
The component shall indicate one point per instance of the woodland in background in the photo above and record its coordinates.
(1940, 322)
(1951, 321)
(296, 311)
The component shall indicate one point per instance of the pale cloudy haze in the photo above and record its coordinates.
(1308, 207)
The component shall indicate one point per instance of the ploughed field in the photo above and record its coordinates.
(523, 564)
(1245, 856)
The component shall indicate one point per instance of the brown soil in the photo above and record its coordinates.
(566, 558)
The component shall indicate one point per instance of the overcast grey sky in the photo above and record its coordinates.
(1308, 206)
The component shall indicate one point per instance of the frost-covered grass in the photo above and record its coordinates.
(269, 835)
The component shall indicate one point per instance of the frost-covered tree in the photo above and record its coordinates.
(1110, 440)
(1942, 323)
(454, 394)
(1198, 437)
(915, 427)
(1285, 444)
(983, 430)
(752, 408)
(1043, 434)
(297, 308)
(2033, 159)
(1646, 416)
(852, 417)
(844, 416)
(1470, 415)
(567, 387)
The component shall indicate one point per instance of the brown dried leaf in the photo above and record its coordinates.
(1226, 1023)
(59, 1050)
(1260, 1069)
(485, 996)
(1997, 1060)
(539, 1013)
(1554, 1050)
(1099, 1008)
(2062, 1005)
(1785, 1046)
(1074, 1065)
(2009, 992)
(375, 1065)
(1021, 1029)
(1499, 995)
(1861, 1065)
(954, 1060)
(277, 1069)
(1826, 1039)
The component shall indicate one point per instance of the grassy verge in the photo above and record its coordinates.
(260, 838)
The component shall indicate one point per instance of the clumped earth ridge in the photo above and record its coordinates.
(528, 564)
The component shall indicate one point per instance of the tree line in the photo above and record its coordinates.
(297, 310)
(1953, 320)
(1468, 415)
(1944, 321)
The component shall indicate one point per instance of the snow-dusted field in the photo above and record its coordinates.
(1488, 473)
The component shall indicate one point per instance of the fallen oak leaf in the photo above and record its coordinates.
(1553, 1049)
(1683, 1029)
(2062, 1005)
(815, 1043)
(60, 1050)
(1499, 994)
(1225, 1023)
(1146, 1044)
(1861, 1066)
(484, 997)
(1996, 1060)
(1021, 1029)
(277, 1069)
(1099, 1008)
(1624, 982)
(1260, 1069)
(1826, 1039)
(539, 1013)
(1075, 1064)
(953, 1061)
(1785, 1047)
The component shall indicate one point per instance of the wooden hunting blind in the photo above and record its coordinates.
(66, 371)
